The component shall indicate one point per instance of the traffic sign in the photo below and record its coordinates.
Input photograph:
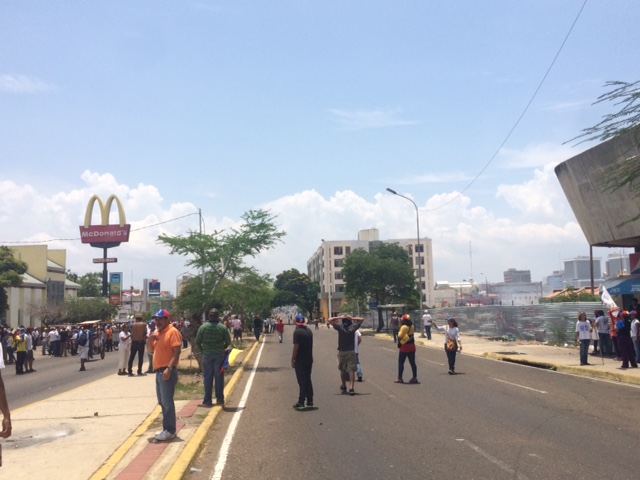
(105, 260)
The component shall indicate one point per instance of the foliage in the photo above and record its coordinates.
(572, 295)
(354, 306)
(83, 309)
(90, 283)
(295, 288)
(624, 122)
(11, 270)
(222, 254)
(247, 295)
(384, 274)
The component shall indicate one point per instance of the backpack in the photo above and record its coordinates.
(82, 339)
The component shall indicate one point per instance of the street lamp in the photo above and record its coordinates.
(418, 247)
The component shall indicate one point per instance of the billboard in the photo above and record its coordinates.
(104, 235)
(153, 289)
(115, 289)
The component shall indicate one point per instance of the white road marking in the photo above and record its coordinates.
(520, 386)
(496, 461)
(228, 438)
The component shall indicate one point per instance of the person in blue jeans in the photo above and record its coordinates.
(258, 323)
(213, 339)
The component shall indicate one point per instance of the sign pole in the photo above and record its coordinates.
(105, 287)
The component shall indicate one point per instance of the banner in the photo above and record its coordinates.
(115, 289)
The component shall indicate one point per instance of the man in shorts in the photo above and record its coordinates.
(346, 325)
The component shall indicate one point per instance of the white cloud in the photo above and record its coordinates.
(537, 155)
(366, 119)
(455, 223)
(12, 83)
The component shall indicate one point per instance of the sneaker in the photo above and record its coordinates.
(399, 380)
(359, 379)
(309, 404)
(206, 405)
(142, 374)
(352, 392)
(414, 381)
(298, 406)
(165, 436)
(130, 375)
(450, 372)
(343, 389)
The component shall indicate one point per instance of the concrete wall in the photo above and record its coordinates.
(601, 214)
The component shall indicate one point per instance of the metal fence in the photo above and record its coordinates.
(550, 322)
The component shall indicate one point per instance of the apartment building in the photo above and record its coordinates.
(325, 266)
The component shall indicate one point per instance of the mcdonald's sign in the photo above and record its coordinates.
(104, 235)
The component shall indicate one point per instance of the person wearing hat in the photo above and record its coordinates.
(138, 342)
(452, 342)
(426, 323)
(166, 356)
(302, 361)
(407, 346)
(346, 325)
(213, 339)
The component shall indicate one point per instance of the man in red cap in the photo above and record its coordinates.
(166, 356)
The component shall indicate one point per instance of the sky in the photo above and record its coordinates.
(308, 109)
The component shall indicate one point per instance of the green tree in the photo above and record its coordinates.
(11, 270)
(83, 309)
(90, 283)
(625, 122)
(572, 295)
(384, 275)
(222, 254)
(295, 288)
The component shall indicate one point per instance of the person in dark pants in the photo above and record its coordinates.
(213, 340)
(258, 323)
(407, 350)
(625, 343)
(138, 342)
(452, 342)
(301, 361)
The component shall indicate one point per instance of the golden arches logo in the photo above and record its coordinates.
(104, 235)
(105, 209)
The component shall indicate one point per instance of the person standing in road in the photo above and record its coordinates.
(138, 342)
(124, 346)
(395, 326)
(20, 346)
(426, 324)
(583, 336)
(213, 339)
(4, 404)
(257, 327)
(347, 362)
(452, 342)
(82, 343)
(280, 329)
(603, 325)
(407, 346)
(166, 357)
(302, 361)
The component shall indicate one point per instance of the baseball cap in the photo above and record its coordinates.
(162, 313)
(300, 320)
(406, 317)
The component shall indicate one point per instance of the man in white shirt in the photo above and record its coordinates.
(426, 322)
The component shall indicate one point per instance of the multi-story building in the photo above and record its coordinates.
(577, 271)
(325, 266)
(517, 276)
(45, 283)
(616, 265)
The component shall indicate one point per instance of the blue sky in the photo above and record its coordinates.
(310, 109)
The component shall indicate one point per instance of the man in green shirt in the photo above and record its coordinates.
(213, 339)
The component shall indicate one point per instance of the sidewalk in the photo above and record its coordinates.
(103, 430)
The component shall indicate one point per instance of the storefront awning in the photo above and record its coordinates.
(627, 285)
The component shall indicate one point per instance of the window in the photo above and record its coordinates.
(339, 288)
(347, 250)
(337, 275)
(410, 250)
(337, 250)
(337, 263)
(420, 248)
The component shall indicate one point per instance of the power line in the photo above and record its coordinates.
(78, 238)
(526, 108)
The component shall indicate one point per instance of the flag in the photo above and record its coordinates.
(606, 299)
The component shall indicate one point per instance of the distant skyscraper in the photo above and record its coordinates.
(517, 276)
(577, 271)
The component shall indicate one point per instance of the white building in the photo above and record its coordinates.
(325, 266)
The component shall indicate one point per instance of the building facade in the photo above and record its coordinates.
(45, 283)
(577, 271)
(325, 266)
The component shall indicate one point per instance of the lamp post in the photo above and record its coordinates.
(418, 246)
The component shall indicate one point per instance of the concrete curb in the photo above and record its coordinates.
(180, 466)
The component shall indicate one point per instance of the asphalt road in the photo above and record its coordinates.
(54, 375)
(492, 421)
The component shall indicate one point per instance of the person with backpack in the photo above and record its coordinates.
(452, 341)
(407, 346)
